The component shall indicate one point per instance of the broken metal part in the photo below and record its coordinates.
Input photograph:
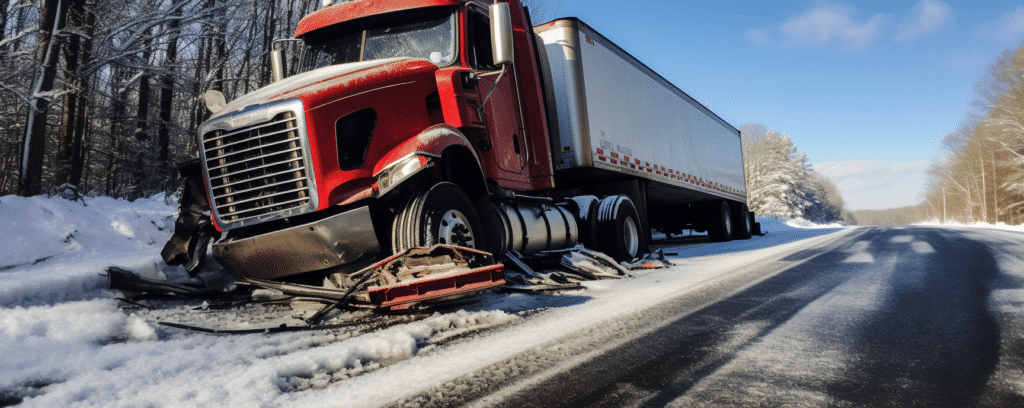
(516, 258)
(123, 279)
(339, 239)
(543, 288)
(614, 269)
(414, 276)
(323, 312)
(277, 329)
(295, 289)
(653, 260)
(192, 229)
(134, 303)
(432, 274)
(444, 287)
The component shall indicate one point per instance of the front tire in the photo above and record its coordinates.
(441, 214)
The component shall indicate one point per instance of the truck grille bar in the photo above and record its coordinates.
(257, 165)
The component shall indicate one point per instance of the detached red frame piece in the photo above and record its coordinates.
(429, 274)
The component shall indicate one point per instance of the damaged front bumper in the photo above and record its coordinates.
(336, 240)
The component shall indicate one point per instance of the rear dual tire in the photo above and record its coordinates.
(744, 223)
(720, 227)
(619, 230)
(729, 221)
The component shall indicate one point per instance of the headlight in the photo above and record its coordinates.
(394, 174)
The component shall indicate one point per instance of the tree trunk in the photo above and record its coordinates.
(34, 144)
(3, 20)
(142, 114)
(118, 115)
(167, 98)
(79, 147)
(68, 145)
(18, 26)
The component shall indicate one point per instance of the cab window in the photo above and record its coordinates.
(479, 30)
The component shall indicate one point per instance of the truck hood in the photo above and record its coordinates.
(296, 84)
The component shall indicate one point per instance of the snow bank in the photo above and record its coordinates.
(999, 226)
(55, 249)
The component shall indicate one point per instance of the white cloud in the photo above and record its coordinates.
(827, 23)
(1011, 25)
(928, 15)
(876, 184)
(759, 37)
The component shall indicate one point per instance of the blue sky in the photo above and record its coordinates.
(868, 89)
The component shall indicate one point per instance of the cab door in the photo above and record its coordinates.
(507, 151)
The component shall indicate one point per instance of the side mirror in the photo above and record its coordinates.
(501, 34)
(214, 101)
(277, 64)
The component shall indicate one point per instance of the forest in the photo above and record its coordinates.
(104, 97)
(980, 176)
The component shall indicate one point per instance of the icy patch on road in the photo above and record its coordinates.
(791, 363)
(859, 253)
(1006, 302)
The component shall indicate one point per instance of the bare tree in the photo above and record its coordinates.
(34, 143)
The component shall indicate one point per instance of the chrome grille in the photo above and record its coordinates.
(258, 171)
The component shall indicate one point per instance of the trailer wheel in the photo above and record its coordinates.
(441, 214)
(619, 222)
(720, 222)
(743, 224)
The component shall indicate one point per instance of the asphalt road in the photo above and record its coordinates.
(878, 317)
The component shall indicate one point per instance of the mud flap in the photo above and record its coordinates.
(192, 230)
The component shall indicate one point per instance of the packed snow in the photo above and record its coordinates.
(68, 341)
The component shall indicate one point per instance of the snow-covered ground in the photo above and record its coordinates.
(67, 341)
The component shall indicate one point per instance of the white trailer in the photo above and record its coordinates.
(615, 120)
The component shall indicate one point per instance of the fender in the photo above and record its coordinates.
(418, 153)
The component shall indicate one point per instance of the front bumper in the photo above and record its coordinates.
(336, 240)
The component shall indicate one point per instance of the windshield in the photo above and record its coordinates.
(433, 40)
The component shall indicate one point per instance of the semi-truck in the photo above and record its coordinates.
(413, 123)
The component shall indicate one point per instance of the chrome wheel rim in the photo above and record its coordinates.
(631, 237)
(454, 230)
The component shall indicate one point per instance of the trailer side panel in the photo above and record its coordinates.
(614, 113)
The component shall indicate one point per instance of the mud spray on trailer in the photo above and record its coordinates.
(416, 138)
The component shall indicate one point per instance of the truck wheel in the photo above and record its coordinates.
(588, 207)
(742, 223)
(441, 214)
(619, 223)
(720, 227)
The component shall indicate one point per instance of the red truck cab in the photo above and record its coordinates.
(397, 128)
